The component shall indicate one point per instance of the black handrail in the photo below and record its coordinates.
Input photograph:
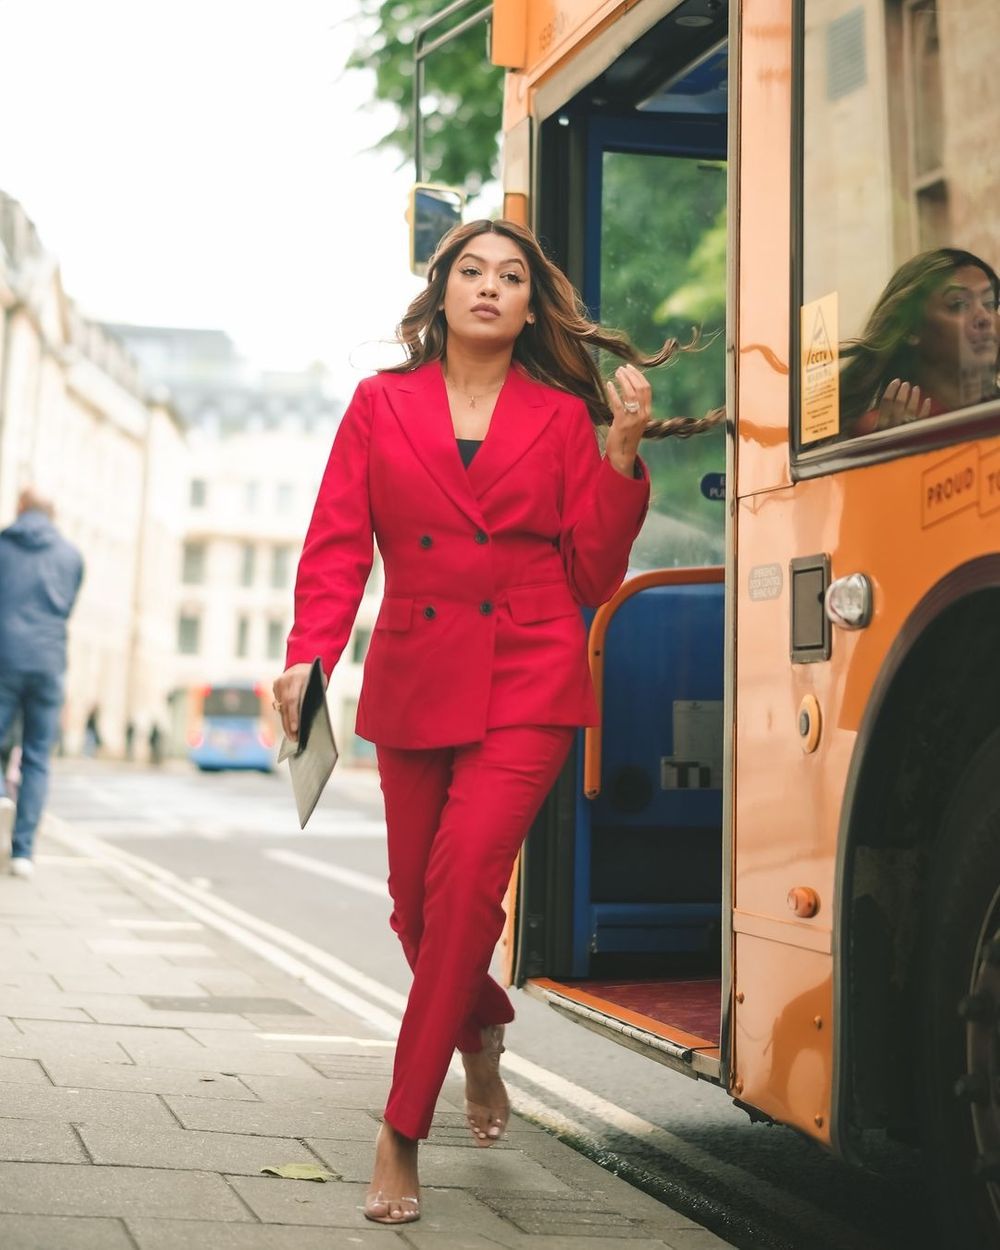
(423, 49)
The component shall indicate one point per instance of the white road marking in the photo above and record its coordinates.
(320, 868)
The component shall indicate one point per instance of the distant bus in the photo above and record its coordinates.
(231, 727)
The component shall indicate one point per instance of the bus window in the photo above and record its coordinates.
(663, 274)
(901, 218)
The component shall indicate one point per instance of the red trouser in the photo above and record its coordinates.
(456, 818)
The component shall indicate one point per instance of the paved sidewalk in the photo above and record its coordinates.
(151, 1066)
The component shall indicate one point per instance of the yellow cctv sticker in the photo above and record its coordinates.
(820, 373)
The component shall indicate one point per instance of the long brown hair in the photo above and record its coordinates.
(558, 349)
(886, 349)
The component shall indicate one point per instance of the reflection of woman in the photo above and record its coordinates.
(930, 345)
(475, 467)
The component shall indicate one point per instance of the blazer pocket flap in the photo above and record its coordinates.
(540, 603)
(395, 614)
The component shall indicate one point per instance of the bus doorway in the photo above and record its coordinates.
(619, 913)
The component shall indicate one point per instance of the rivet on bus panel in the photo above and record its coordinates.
(810, 723)
(740, 996)
(803, 901)
(738, 1087)
(818, 1021)
(818, 1121)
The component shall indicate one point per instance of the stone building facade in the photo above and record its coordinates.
(75, 423)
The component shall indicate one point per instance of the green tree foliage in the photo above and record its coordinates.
(663, 275)
(463, 95)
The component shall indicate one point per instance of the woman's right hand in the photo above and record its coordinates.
(288, 690)
(900, 403)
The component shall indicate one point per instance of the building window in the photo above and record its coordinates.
(926, 126)
(281, 563)
(359, 645)
(242, 637)
(188, 634)
(199, 492)
(248, 561)
(275, 640)
(193, 566)
(283, 496)
(251, 496)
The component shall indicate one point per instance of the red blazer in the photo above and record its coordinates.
(485, 567)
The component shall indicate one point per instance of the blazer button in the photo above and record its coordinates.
(482, 537)
(426, 541)
(486, 607)
(429, 613)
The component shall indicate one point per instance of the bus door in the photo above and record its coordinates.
(619, 911)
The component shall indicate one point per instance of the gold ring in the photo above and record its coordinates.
(631, 407)
(276, 704)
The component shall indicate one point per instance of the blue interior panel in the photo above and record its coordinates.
(648, 858)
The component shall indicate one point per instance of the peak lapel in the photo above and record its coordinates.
(522, 411)
(419, 402)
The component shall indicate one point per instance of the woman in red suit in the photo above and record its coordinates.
(476, 469)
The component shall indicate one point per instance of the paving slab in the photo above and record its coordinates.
(68, 1189)
(191, 1234)
(38, 1141)
(16, 1045)
(360, 1091)
(469, 1167)
(114, 983)
(199, 1083)
(273, 1119)
(151, 1052)
(61, 1232)
(339, 1206)
(22, 1071)
(78, 1106)
(204, 1152)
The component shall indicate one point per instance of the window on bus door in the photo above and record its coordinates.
(901, 213)
(663, 275)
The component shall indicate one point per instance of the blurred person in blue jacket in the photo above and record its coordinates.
(40, 576)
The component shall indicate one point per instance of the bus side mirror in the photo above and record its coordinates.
(432, 212)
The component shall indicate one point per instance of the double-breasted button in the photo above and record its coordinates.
(426, 541)
(430, 613)
(486, 607)
(482, 537)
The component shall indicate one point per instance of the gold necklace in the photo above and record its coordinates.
(493, 390)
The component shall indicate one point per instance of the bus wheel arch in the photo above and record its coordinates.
(958, 1044)
(935, 704)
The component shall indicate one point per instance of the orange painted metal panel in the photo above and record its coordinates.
(764, 252)
(554, 29)
(508, 40)
(783, 1033)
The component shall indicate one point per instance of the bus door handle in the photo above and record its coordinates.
(596, 642)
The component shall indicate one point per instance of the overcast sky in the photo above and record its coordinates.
(204, 163)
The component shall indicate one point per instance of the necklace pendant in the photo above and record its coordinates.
(472, 401)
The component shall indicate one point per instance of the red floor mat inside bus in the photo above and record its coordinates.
(693, 1005)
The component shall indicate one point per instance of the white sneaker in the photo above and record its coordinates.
(8, 808)
(22, 867)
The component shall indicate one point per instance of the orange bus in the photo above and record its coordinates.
(776, 865)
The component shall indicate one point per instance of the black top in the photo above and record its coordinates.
(467, 448)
